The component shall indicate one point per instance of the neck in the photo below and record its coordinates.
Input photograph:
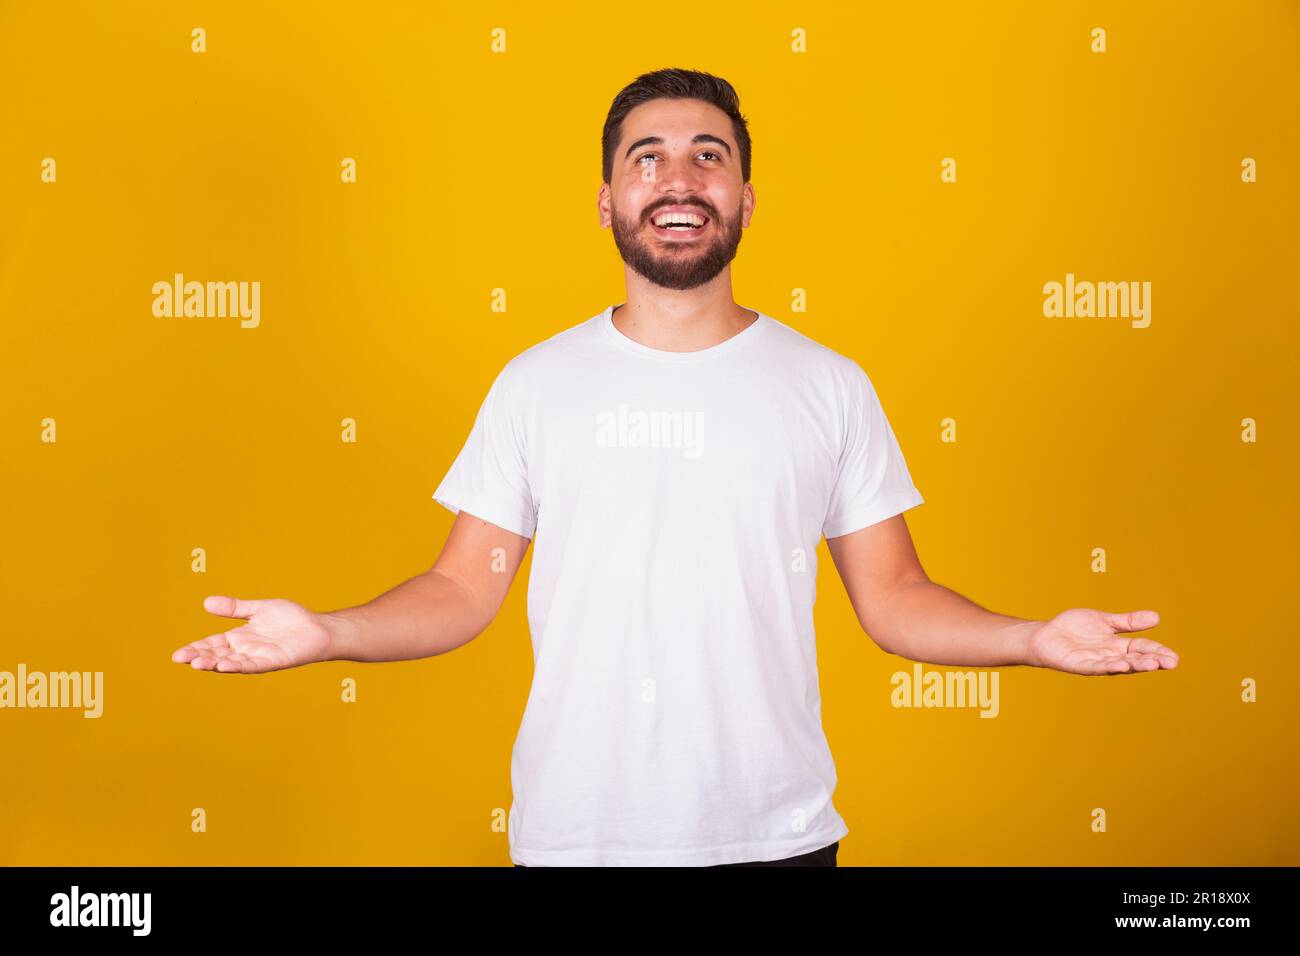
(681, 321)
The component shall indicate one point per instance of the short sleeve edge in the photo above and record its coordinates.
(525, 527)
(874, 513)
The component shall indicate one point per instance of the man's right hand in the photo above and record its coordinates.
(432, 613)
(278, 634)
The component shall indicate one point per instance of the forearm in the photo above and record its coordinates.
(428, 615)
(925, 621)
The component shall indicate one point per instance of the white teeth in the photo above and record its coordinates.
(682, 218)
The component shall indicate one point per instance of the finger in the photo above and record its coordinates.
(1144, 645)
(1143, 662)
(1131, 620)
(203, 646)
(1166, 661)
(1104, 662)
(234, 663)
(212, 654)
(226, 606)
(222, 662)
(1123, 648)
(1133, 664)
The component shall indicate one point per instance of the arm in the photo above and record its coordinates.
(907, 614)
(430, 614)
(437, 611)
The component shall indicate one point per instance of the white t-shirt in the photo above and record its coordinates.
(675, 501)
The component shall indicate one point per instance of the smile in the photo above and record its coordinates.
(679, 221)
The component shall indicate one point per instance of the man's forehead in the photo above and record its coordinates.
(676, 119)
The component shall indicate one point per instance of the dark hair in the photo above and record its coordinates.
(674, 85)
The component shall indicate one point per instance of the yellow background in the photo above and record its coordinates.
(480, 170)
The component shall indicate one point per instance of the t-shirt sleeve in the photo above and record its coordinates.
(872, 482)
(489, 478)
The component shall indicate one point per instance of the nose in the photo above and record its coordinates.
(677, 176)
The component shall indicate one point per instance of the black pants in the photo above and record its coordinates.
(823, 857)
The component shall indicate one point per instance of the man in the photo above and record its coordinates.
(676, 459)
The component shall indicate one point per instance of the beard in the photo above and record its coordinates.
(677, 265)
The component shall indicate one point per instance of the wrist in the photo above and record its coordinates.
(1022, 643)
(340, 636)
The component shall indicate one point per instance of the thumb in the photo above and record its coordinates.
(1132, 620)
(225, 606)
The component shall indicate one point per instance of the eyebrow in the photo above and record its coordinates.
(657, 140)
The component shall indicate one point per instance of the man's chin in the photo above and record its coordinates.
(672, 268)
(675, 281)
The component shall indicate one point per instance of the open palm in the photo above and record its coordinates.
(1084, 641)
(278, 634)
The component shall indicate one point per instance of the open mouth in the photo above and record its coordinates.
(679, 222)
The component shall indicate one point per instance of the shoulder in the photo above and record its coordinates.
(554, 357)
(559, 349)
(815, 360)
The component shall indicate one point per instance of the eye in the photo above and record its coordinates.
(707, 152)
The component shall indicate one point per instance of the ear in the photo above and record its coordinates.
(747, 200)
(603, 209)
